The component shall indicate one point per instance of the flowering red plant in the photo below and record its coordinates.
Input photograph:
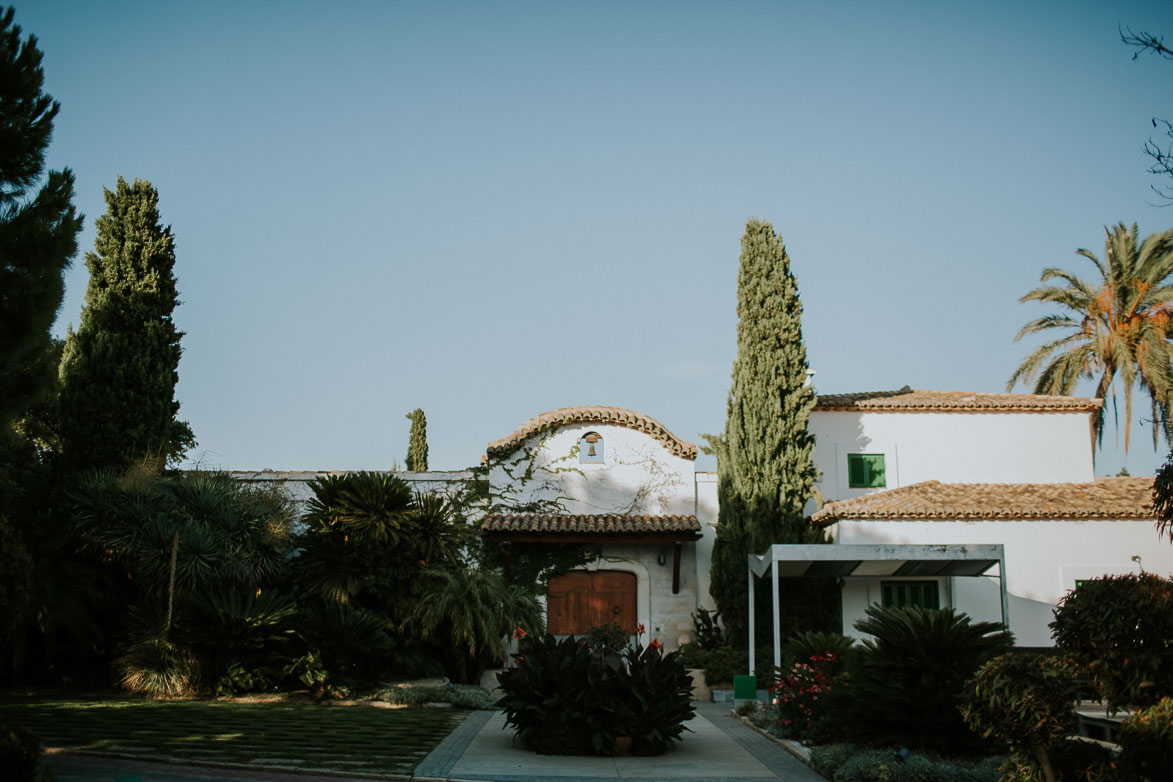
(519, 633)
(797, 694)
(655, 644)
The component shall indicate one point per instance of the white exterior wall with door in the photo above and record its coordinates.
(637, 475)
(1044, 559)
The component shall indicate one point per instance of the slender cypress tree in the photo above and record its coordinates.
(764, 465)
(417, 444)
(120, 367)
(38, 225)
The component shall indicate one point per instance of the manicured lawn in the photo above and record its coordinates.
(267, 735)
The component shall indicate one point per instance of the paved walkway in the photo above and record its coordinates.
(719, 747)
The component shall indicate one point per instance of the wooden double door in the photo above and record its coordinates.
(582, 599)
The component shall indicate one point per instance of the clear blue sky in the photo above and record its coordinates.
(489, 210)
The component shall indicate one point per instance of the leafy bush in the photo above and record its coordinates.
(908, 688)
(608, 639)
(724, 662)
(888, 766)
(353, 642)
(462, 696)
(1071, 759)
(657, 691)
(829, 758)
(707, 633)
(1027, 700)
(1121, 629)
(1146, 741)
(238, 638)
(20, 752)
(806, 645)
(563, 699)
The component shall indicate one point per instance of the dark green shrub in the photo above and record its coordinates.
(353, 642)
(806, 645)
(888, 766)
(706, 632)
(908, 688)
(462, 696)
(1027, 700)
(563, 699)
(20, 751)
(657, 690)
(829, 758)
(1120, 628)
(1146, 742)
(608, 639)
(240, 639)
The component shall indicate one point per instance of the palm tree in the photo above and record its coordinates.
(1118, 327)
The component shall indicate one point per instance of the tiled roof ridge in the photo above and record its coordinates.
(923, 400)
(596, 523)
(1105, 499)
(592, 414)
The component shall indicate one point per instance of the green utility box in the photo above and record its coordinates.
(745, 688)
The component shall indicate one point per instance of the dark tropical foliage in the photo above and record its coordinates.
(913, 672)
(566, 698)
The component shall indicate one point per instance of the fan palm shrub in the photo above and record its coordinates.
(471, 612)
(1115, 327)
(175, 539)
(242, 640)
(908, 687)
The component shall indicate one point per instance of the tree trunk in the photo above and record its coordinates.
(1044, 761)
(171, 584)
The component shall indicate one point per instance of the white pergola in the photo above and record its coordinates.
(835, 560)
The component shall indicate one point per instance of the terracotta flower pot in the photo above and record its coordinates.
(623, 744)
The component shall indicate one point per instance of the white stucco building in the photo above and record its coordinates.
(954, 468)
(896, 468)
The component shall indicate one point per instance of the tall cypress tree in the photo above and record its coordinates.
(38, 225)
(765, 471)
(121, 365)
(417, 443)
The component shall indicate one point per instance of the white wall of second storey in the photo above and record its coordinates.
(638, 474)
(955, 447)
(706, 514)
(1043, 561)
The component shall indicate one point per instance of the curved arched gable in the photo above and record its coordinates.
(617, 416)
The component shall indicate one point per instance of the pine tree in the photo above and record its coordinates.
(121, 365)
(764, 465)
(38, 225)
(417, 444)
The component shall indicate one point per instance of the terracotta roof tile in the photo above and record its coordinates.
(1106, 498)
(909, 400)
(593, 415)
(603, 524)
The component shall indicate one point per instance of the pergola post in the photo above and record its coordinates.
(751, 622)
(777, 612)
(1002, 589)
